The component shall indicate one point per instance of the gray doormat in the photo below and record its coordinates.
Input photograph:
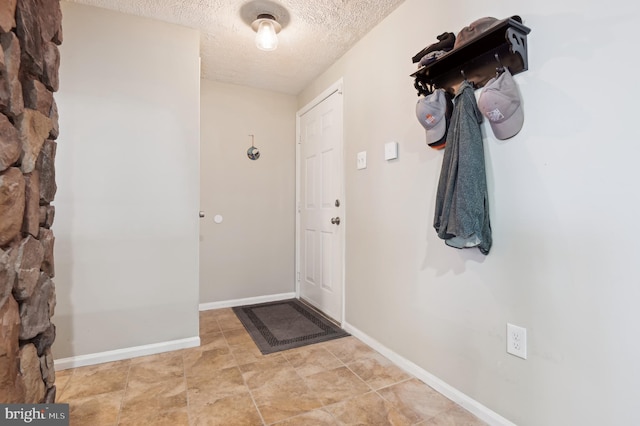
(286, 324)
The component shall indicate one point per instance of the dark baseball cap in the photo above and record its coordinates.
(478, 27)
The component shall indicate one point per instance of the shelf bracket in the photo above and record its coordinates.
(518, 42)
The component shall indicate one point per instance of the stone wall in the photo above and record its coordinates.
(30, 33)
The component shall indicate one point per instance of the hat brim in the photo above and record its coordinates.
(509, 127)
(439, 144)
(437, 132)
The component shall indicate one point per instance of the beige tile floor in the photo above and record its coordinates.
(227, 381)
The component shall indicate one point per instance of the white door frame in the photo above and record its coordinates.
(335, 87)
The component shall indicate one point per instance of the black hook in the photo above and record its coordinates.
(500, 69)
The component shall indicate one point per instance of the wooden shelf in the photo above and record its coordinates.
(504, 44)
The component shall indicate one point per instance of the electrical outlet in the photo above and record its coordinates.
(517, 341)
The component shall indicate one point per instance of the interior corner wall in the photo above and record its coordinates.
(128, 183)
(251, 252)
(563, 204)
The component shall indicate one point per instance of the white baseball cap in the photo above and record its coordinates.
(434, 115)
(500, 103)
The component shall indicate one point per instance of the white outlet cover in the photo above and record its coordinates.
(361, 160)
(517, 341)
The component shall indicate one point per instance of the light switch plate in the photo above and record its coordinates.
(361, 161)
(391, 150)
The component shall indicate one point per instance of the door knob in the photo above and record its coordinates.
(335, 220)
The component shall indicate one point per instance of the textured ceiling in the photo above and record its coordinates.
(315, 33)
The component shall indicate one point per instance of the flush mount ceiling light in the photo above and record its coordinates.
(266, 28)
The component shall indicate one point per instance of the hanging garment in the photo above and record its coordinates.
(462, 206)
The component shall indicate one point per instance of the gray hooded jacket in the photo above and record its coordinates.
(462, 205)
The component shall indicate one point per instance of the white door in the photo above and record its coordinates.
(321, 206)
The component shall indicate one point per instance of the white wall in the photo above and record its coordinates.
(128, 183)
(563, 201)
(251, 253)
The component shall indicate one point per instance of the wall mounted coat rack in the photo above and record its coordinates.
(503, 45)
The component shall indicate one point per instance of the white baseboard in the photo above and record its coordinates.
(468, 403)
(126, 353)
(247, 301)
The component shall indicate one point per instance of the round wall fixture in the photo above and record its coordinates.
(253, 153)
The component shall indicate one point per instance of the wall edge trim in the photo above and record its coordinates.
(125, 353)
(474, 407)
(247, 301)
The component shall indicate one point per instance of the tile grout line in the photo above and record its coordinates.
(323, 405)
(73, 370)
(243, 379)
(264, 423)
(300, 376)
(124, 394)
(372, 389)
(186, 386)
(184, 373)
(255, 404)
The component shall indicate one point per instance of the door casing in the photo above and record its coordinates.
(336, 87)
